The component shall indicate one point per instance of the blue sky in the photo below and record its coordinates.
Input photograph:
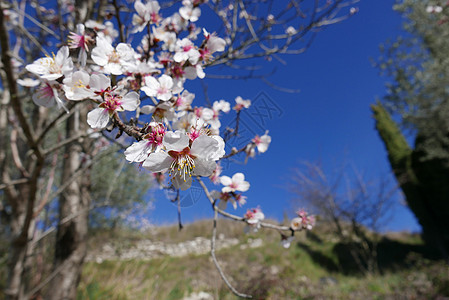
(329, 120)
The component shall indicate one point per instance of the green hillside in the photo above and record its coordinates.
(316, 266)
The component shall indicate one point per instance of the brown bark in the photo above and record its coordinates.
(71, 244)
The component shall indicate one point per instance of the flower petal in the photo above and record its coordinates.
(204, 167)
(158, 162)
(131, 101)
(176, 141)
(98, 118)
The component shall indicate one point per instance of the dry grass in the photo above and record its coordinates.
(310, 269)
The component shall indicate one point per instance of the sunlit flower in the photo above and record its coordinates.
(146, 13)
(185, 50)
(240, 103)
(303, 221)
(253, 218)
(160, 88)
(262, 142)
(237, 183)
(80, 40)
(77, 86)
(47, 95)
(184, 159)
(113, 61)
(99, 117)
(52, 68)
(150, 143)
(190, 13)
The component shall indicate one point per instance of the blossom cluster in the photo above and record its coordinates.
(141, 89)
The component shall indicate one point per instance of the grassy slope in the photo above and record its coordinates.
(314, 267)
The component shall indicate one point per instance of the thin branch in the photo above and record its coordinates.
(12, 85)
(234, 217)
(217, 265)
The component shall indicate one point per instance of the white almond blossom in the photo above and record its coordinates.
(185, 50)
(160, 88)
(52, 68)
(113, 61)
(150, 143)
(99, 117)
(253, 217)
(80, 40)
(190, 13)
(47, 95)
(193, 72)
(163, 112)
(146, 13)
(184, 160)
(76, 86)
(262, 142)
(237, 183)
(213, 44)
(241, 103)
(184, 100)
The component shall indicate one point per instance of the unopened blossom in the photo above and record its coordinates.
(353, 10)
(286, 241)
(113, 61)
(150, 143)
(160, 88)
(241, 103)
(80, 40)
(290, 30)
(47, 95)
(52, 68)
(11, 18)
(236, 183)
(99, 117)
(184, 158)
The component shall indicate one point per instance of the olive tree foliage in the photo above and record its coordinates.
(48, 152)
(416, 107)
(120, 199)
(418, 66)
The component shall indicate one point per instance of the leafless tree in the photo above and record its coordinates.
(356, 208)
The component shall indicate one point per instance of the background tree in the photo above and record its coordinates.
(356, 209)
(50, 154)
(416, 107)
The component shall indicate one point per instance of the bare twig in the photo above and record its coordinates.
(217, 265)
